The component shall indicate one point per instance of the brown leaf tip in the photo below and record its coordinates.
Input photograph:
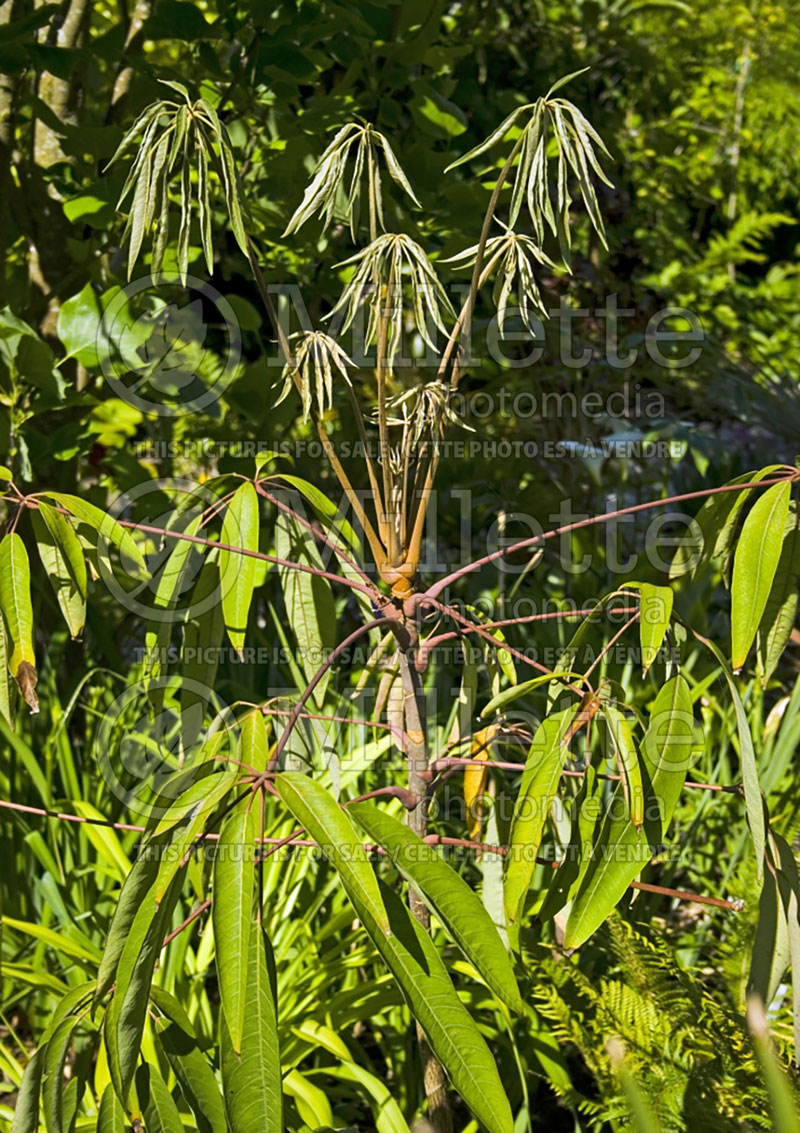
(27, 680)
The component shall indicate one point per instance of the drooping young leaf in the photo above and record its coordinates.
(448, 895)
(251, 1078)
(238, 572)
(15, 603)
(754, 567)
(234, 881)
(622, 851)
(62, 558)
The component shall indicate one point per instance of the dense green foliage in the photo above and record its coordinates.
(237, 245)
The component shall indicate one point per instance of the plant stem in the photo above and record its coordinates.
(464, 323)
(439, 1109)
(344, 480)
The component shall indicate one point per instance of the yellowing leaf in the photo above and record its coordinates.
(475, 777)
(15, 602)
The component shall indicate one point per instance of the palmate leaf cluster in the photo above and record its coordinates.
(512, 256)
(315, 358)
(383, 271)
(361, 144)
(176, 140)
(556, 122)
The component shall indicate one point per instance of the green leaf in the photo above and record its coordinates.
(454, 1038)
(125, 1016)
(434, 114)
(234, 883)
(238, 572)
(749, 763)
(111, 1118)
(566, 79)
(655, 611)
(715, 525)
(779, 615)
(621, 853)
(53, 1079)
(538, 789)
(754, 567)
(494, 137)
(407, 950)
(620, 743)
(79, 328)
(158, 1108)
(310, 609)
(26, 1110)
(449, 897)
(251, 1080)
(62, 557)
(508, 695)
(319, 813)
(105, 525)
(15, 603)
(254, 752)
(191, 1067)
(135, 887)
(195, 807)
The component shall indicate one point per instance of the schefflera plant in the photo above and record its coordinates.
(395, 278)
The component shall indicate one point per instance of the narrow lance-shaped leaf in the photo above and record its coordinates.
(622, 747)
(621, 853)
(125, 1016)
(26, 1110)
(111, 1117)
(234, 878)
(15, 602)
(537, 790)
(407, 950)
(238, 572)
(62, 557)
(749, 764)
(655, 611)
(754, 567)
(105, 525)
(779, 615)
(449, 897)
(156, 1102)
(251, 1079)
(190, 1065)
